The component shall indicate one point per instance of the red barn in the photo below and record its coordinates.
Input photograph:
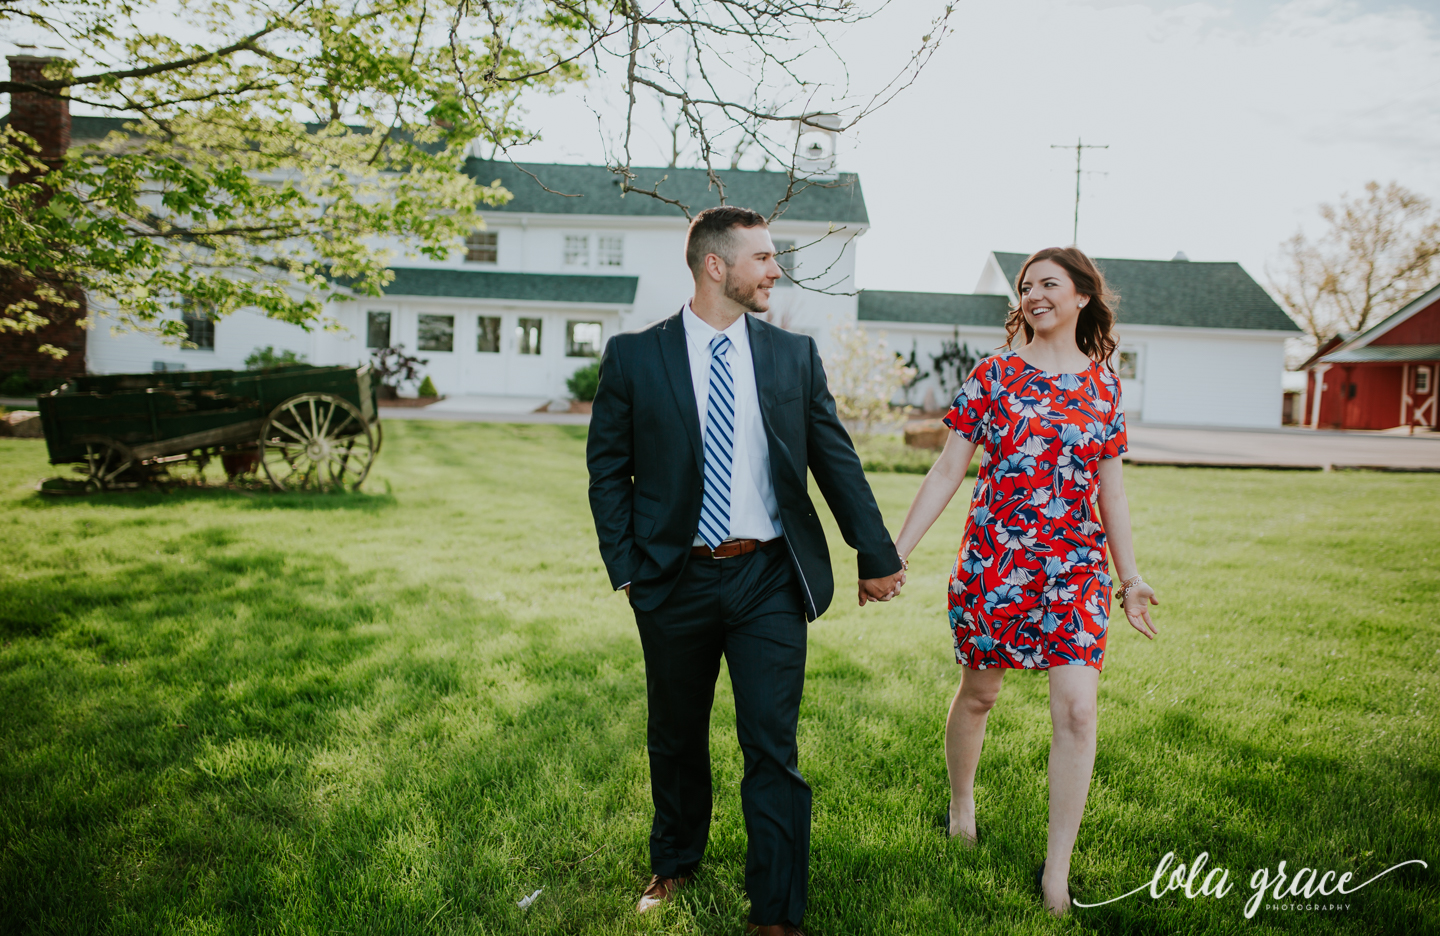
(1382, 378)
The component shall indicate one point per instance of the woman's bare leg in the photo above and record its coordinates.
(1073, 691)
(964, 735)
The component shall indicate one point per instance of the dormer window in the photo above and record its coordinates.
(577, 250)
(604, 251)
(610, 251)
(482, 247)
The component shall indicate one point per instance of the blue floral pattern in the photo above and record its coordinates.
(1030, 588)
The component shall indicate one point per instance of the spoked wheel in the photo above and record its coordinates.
(106, 462)
(316, 442)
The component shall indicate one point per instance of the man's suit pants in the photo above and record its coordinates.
(749, 609)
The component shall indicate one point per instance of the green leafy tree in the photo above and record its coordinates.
(272, 148)
(275, 151)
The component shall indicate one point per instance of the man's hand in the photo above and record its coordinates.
(881, 589)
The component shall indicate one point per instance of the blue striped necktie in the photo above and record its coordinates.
(719, 447)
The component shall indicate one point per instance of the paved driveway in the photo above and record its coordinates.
(1282, 448)
(1149, 444)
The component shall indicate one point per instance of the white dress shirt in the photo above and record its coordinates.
(754, 512)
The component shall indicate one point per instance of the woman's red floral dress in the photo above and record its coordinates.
(1031, 586)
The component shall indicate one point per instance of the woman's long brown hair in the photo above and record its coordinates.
(1094, 332)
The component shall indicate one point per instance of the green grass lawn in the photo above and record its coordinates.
(403, 711)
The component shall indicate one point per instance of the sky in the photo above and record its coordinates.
(1227, 124)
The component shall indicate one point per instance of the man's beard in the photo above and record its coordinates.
(749, 298)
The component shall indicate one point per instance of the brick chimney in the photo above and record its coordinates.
(46, 118)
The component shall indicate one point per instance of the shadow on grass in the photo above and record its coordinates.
(263, 740)
(259, 499)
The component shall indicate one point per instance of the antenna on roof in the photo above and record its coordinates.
(1079, 147)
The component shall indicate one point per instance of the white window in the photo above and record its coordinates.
(577, 250)
(582, 339)
(610, 251)
(487, 334)
(377, 329)
(785, 256)
(436, 333)
(1422, 380)
(199, 319)
(482, 247)
(1129, 365)
(527, 336)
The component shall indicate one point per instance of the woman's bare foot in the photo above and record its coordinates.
(962, 820)
(1056, 894)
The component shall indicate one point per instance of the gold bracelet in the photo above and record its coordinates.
(1126, 585)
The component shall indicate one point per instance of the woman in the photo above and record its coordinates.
(1030, 588)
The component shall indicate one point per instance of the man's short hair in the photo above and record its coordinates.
(712, 232)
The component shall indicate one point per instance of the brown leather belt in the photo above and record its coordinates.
(729, 548)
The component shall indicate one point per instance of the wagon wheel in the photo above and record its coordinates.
(106, 461)
(316, 441)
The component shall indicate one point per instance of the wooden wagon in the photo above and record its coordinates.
(302, 427)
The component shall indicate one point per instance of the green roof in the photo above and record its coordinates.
(1181, 292)
(598, 190)
(529, 287)
(1383, 353)
(84, 129)
(882, 305)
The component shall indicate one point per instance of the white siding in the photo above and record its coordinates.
(1186, 376)
(236, 337)
(1209, 377)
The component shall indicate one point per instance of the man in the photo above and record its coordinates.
(702, 430)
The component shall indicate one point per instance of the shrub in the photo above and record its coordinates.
(427, 388)
(584, 382)
(864, 375)
(268, 357)
(16, 384)
(19, 384)
(394, 367)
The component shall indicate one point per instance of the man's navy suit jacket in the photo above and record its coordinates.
(646, 460)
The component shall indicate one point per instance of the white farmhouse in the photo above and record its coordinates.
(1200, 343)
(568, 262)
(533, 295)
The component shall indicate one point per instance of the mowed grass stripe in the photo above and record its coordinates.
(403, 711)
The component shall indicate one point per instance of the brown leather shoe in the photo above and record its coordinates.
(774, 929)
(660, 890)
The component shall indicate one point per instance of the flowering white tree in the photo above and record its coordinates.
(864, 375)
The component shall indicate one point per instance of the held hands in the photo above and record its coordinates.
(883, 589)
(1137, 601)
